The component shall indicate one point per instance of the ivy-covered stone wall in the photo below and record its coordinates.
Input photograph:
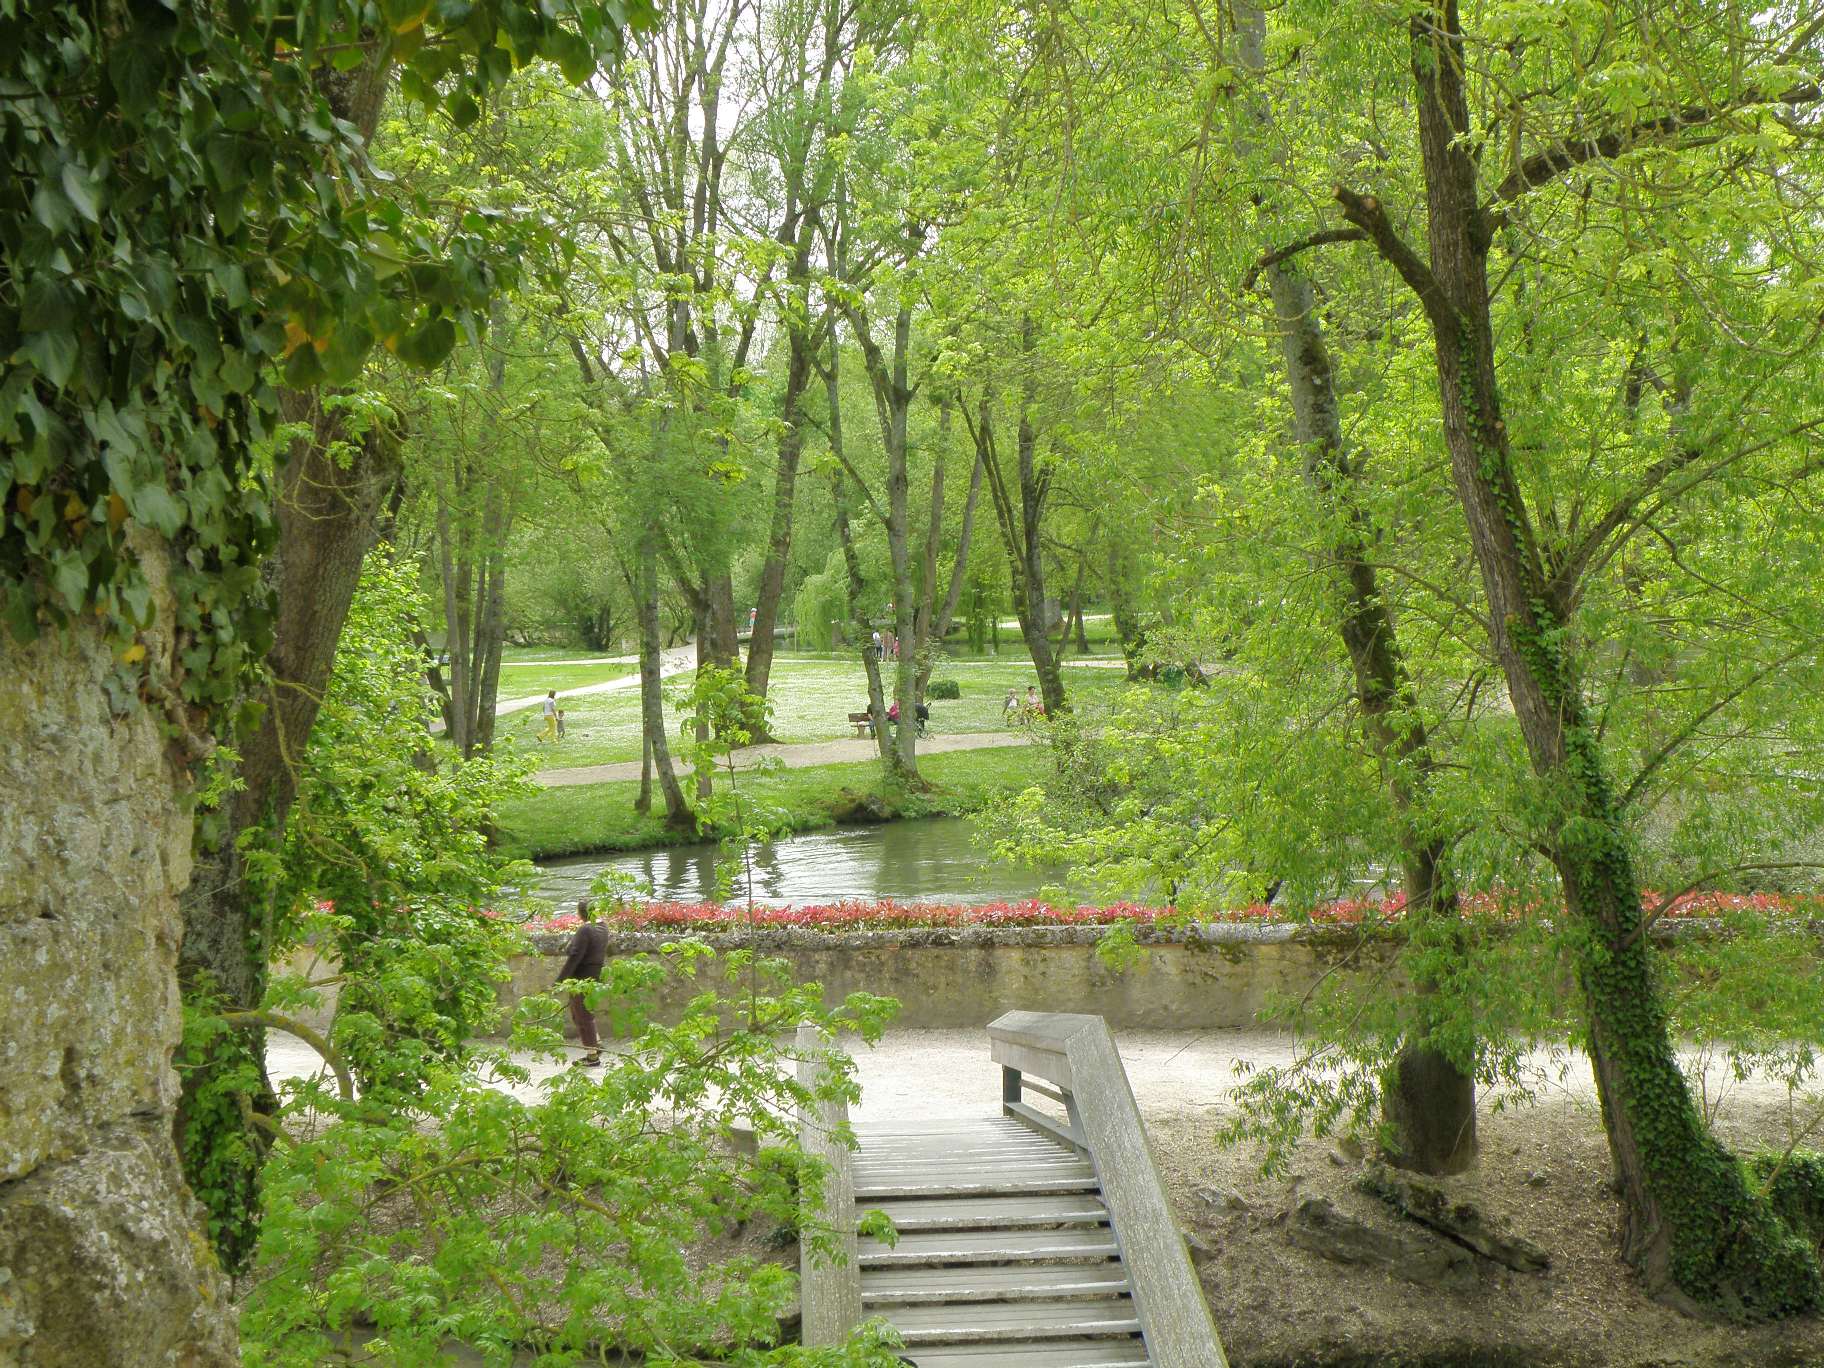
(100, 1260)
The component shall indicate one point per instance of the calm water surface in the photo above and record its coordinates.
(935, 859)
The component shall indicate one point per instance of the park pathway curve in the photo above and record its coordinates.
(800, 756)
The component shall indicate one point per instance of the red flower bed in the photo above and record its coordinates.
(887, 915)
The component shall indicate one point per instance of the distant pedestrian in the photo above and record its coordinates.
(1034, 704)
(549, 708)
(583, 964)
(874, 645)
(1011, 703)
(560, 724)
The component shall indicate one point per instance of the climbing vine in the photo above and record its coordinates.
(1729, 1247)
(187, 225)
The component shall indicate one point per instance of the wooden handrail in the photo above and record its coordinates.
(1075, 1052)
(829, 1290)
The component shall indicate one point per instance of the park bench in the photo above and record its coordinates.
(863, 724)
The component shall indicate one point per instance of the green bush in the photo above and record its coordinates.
(944, 688)
(1795, 1189)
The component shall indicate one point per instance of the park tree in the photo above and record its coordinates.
(1693, 1223)
(153, 303)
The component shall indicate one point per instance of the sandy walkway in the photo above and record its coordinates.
(800, 756)
(949, 1073)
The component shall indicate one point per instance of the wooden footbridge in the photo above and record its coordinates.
(1039, 1238)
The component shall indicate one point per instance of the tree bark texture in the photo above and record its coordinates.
(1428, 1099)
(888, 374)
(959, 570)
(857, 586)
(1690, 1221)
(326, 515)
(779, 535)
(1019, 510)
(652, 697)
(474, 520)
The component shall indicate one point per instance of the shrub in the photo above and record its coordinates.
(944, 688)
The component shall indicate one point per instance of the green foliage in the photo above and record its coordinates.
(386, 861)
(575, 1210)
(187, 222)
(1794, 1184)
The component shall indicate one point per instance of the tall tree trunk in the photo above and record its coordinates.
(490, 629)
(888, 374)
(779, 535)
(839, 490)
(700, 724)
(326, 519)
(1074, 620)
(326, 522)
(1428, 1097)
(924, 617)
(652, 698)
(959, 569)
(1032, 576)
(870, 662)
(1690, 1221)
(724, 646)
(1020, 524)
(1121, 607)
(453, 565)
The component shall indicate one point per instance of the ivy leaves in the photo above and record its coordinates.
(191, 219)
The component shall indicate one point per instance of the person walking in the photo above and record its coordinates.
(583, 964)
(549, 706)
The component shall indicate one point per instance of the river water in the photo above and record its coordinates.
(930, 859)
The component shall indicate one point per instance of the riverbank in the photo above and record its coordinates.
(582, 819)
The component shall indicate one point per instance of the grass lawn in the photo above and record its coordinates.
(514, 655)
(811, 702)
(529, 681)
(600, 817)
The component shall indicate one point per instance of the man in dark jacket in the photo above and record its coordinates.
(588, 952)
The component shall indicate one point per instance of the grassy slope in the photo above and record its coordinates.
(811, 702)
(595, 817)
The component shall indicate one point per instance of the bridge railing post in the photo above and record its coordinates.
(829, 1288)
(1075, 1053)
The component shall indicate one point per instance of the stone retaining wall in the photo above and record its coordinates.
(1201, 977)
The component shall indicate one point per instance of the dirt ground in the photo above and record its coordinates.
(1544, 1171)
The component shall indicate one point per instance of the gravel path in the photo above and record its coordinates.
(799, 756)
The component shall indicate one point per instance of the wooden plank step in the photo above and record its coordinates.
(970, 1184)
(1001, 1213)
(937, 1125)
(1037, 1149)
(865, 1169)
(1071, 1354)
(1017, 1322)
(883, 1287)
(989, 1246)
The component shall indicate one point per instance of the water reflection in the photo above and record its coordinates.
(901, 860)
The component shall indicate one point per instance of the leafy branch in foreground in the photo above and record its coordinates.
(571, 1212)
